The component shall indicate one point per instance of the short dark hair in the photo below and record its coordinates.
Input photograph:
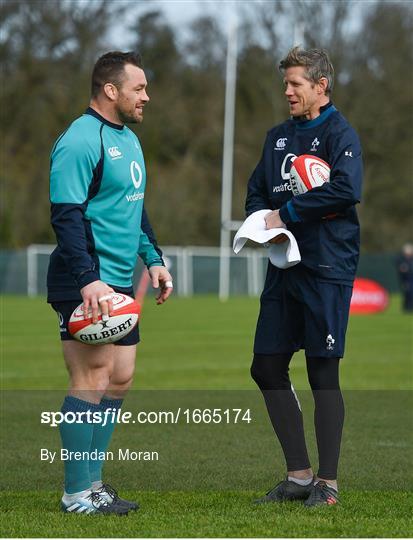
(316, 62)
(110, 68)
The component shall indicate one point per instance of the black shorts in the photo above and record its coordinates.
(300, 311)
(64, 310)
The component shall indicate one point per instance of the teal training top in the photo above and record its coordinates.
(97, 189)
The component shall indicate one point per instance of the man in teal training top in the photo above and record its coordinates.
(97, 188)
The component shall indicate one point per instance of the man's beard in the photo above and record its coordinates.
(126, 117)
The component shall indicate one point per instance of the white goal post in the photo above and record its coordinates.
(196, 269)
(33, 252)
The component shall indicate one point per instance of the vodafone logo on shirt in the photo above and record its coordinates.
(136, 174)
(368, 297)
(137, 177)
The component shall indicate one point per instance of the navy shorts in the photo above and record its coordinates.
(300, 311)
(64, 310)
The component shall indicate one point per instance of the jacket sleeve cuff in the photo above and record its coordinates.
(159, 262)
(288, 213)
(89, 276)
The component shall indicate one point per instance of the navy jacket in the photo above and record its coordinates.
(329, 247)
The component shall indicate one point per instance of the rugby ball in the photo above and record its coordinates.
(308, 172)
(124, 318)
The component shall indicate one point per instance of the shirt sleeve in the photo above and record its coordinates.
(149, 250)
(257, 198)
(341, 192)
(73, 168)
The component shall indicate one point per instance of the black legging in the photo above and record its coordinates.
(270, 372)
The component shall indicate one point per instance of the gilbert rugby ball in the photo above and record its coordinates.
(124, 318)
(308, 172)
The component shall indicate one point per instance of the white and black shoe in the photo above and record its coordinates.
(107, 492)
(322, 495)
(92, 503)
(286, 491)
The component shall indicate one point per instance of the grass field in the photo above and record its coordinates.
(197, 352)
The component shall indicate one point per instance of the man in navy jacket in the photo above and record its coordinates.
(307, 306)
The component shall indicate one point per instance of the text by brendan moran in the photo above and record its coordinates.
(123, 454)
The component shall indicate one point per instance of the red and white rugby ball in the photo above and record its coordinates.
(308, 172)
(124, 318)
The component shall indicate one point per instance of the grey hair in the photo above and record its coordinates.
(315, 61)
